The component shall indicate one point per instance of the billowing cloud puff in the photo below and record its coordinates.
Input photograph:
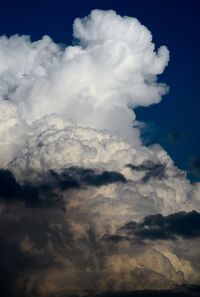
(113, 69)
(75, 171)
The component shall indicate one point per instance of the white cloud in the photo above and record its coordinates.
(114, 68)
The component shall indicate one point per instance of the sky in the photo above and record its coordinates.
(175, 24)
(99, 163)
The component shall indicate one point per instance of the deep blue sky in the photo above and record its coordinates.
(174, 122)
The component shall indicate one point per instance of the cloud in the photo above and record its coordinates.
(67, 132)
(25, 250)
(152, 170)
(179, 291)
(12, 191)
(62, 251)
(158, 227)
(116, 72)
(77, 177)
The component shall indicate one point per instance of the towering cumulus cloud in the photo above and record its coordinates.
(85, 207)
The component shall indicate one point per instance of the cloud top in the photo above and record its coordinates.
(113, 68)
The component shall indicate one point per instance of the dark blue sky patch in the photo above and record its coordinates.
(194, 164)
(173, 137)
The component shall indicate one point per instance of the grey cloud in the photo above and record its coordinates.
(33, 194)
(151, 170)
(75, 177)
(156, 227)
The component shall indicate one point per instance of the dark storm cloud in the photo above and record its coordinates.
(77, 177)
(151, 169)
(186, 225)
(179, 291)
(33, 194)
(30, 240)
(104, 178)
(11, 190)
(10, 260)
(114, 238)
(29, 193)
(15, 262)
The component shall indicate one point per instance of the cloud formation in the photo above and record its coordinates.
(166, 227)
(111, 70)
(74, 169)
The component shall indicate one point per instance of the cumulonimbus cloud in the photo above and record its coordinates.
(74, 166)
